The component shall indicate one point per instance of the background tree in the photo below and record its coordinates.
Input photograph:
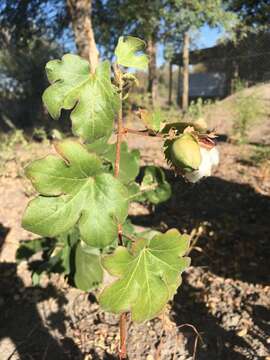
(29, 37)
(139, 18)
(253, 15)
(32, 32)
(182, 17)
(80, 15)
(170, 22)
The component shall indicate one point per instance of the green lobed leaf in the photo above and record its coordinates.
(55, 254)
(58, 262)
(154, 188)
(99, 146)
(148, 275)
(152, 120)
(75, 190)
(134, 192)
(28, 248)
(70, 237)
(68, 240)
(65, 259)
(92, 97)
(155, 177)
(129, 233)
(88, 270)
(129, 162)
(55, 261)
(128, 52)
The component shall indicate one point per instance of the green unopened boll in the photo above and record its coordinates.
(185, 153)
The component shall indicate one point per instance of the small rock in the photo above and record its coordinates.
(242, 332)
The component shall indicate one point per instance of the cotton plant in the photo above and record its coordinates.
(84, 190)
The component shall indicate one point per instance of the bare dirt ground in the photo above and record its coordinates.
(225, 293)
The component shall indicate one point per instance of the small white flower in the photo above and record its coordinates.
(210, 158)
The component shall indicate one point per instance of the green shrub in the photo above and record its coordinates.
(248, 108)
(260, 154)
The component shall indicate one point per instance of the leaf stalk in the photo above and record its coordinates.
(141, 132)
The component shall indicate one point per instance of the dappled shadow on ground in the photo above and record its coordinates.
(261, 317)
(218, 343)
(3, 234)
(231, 262)
(236, 219)
(21, 323)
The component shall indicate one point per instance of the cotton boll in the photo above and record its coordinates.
(185, 153)
(214, 155)
(210, 158)
(204, 168)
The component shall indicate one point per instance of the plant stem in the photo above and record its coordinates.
(141, 132)
(131, 238)
(123, 336)
(119, 136)
(123, 316)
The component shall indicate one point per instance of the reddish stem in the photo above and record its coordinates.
(123, 316)
(123, 336)
(119, 140)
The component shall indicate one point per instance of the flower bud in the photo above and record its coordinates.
(185, 153)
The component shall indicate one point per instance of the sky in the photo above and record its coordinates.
(207, 37)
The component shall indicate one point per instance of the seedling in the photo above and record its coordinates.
(85, 189)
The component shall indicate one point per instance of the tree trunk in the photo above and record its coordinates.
(152, 69)
(80, 14)
(185, 94)
(170, 85)
(178, 95)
